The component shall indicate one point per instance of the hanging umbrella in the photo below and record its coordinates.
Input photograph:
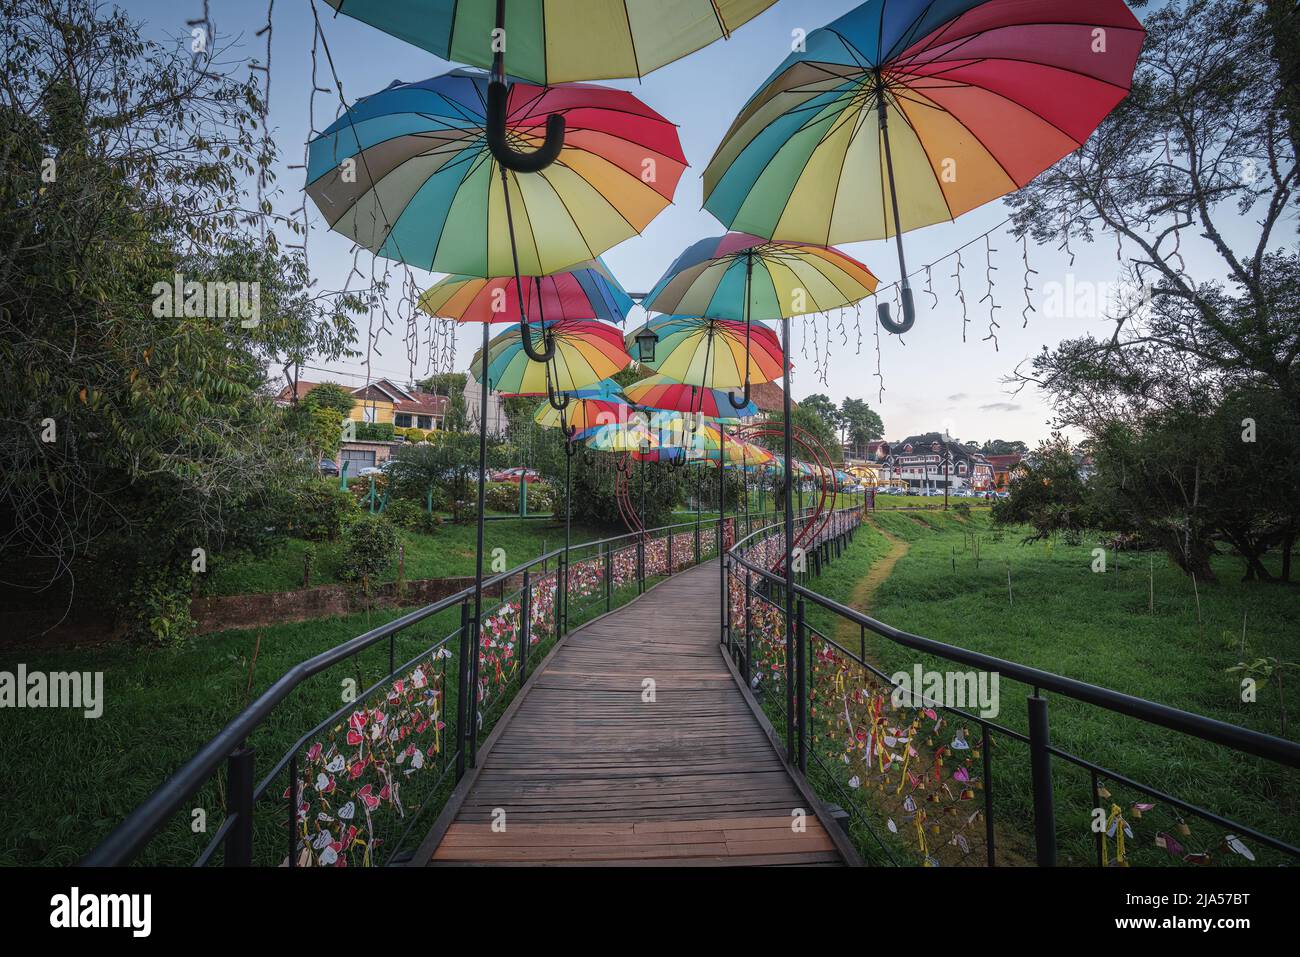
(660, 392)
(622, 437)
(902, 113)
(712, 352)
(606, 389)
(581, 415)
(558, 41)
(742, 277)
(738, 276)
(408, 174)
(585, 353)
(587, 291)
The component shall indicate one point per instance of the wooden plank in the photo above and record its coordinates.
(588, 773)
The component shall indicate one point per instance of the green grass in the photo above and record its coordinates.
(1064, 618)
(448, 552)
(69, 780)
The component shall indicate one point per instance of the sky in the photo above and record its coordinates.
(933, 380)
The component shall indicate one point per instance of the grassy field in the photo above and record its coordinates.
(1063, 617)
(68, 780)
(448, 552)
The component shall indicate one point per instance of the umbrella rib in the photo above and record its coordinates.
(933, 38)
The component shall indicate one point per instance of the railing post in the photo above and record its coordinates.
(801, 675)
(749, 633)
(670, 552)
(609, 575)
(640, 565)
(525, 627)
(1040, 762)
(238, 846)
(462, 689)
(476, 632)
(560, 588)
(698, 556)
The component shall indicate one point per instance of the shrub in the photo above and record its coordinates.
(504, 497)
(371, 547)
(321, 510)
(157, 607)
(405, 513)
(375, 431)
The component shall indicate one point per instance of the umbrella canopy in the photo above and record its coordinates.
(585, 353)
(587, 291)
(621, 437)
(661, 392)
(408, 174)
(712, 352)
(558, 41)
(739, 276)
(606, 389)
(581, 414)
(973, 98)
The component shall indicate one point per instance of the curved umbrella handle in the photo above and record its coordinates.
(744, 400)
(570, 446)
(909, 314)
(558, 402)
(547, 352)
(509, 157)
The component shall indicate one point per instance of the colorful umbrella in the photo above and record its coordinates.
(588, 291)
(901, 114)
(621, 437)
(558, 41)
(738, 276)
(661, 392)
(581, 415)
(408, 174)
(585, 353)
(713, 352)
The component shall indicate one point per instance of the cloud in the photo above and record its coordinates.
(957, 397)
(1000, 407)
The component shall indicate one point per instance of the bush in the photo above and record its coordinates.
(375, 431)
(371, 547)
(409, 514)
(157, 607)
(504, 497)
(321, 510)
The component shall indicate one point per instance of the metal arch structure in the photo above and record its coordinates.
(816, 454)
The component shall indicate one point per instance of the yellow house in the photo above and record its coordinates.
(385, 401)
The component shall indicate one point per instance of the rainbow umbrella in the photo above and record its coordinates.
(408, 174)
(585, 353)
(903, 113)
(661, 392)
(713, 352)
(621, 437)
(581, 415)
(587, 291)
(558, 41)
(742, 277)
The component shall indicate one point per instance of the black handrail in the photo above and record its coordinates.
(1244, 740)
(135, 831)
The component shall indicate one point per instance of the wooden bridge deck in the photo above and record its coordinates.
(585, 772)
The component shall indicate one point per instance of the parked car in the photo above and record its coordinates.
(515, 474)
(328, 468)
(370, 470)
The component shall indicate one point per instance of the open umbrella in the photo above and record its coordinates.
(585, 353)
(408, 174)
(712, 352)
(904, 113)
(742, 278)
(587, 291)
(660, 392)
(558, 41)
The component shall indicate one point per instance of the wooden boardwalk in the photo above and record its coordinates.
(585, 771)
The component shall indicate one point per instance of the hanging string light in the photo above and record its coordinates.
(989, 270)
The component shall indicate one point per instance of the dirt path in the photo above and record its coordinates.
(863, 591)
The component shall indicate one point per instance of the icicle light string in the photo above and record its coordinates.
(989, 270)
(1029, 306)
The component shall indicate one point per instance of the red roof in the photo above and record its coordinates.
(425, 403)
(769, 397)
(1004, 463)
(303, 388)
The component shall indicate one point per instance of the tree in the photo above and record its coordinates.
(1000, 447)
(135, 431)
(1200, 144)
(862, 424)
(452, 385)
(449, 460)
(824, 408)
(331, 395)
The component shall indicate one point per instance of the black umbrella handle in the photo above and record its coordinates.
(505, 154)
(509, 157)
(744, 399)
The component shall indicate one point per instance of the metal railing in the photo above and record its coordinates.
(353, 788)
(884, 752)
